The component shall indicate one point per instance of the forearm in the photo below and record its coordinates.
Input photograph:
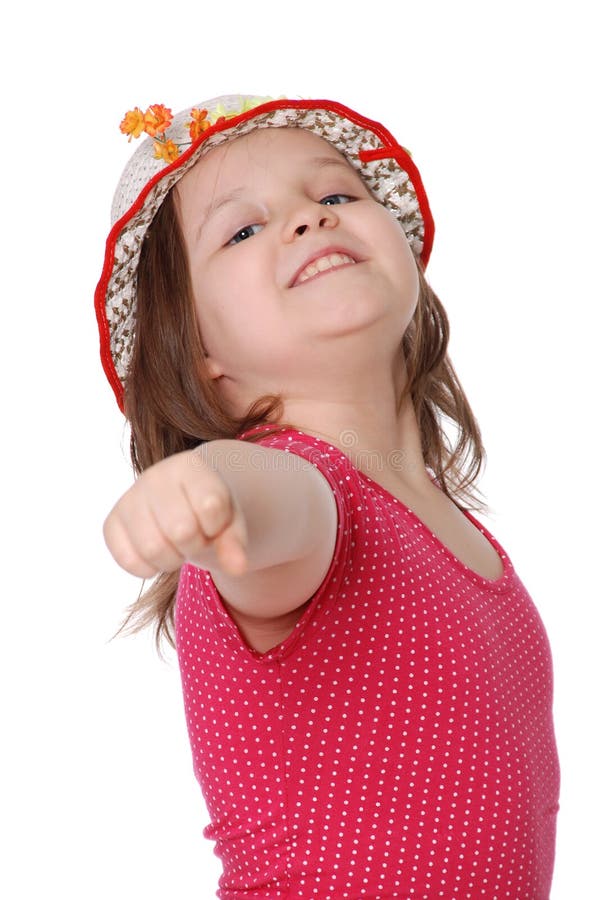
(274, 492)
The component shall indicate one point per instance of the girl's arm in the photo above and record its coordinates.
(262, 521)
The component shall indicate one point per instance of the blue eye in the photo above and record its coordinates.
(244, 233)
(333, 199)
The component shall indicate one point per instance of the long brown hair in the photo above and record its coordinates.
(173, 405)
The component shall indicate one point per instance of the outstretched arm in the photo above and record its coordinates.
(261, 520)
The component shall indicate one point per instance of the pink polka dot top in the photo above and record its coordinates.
(399, 743)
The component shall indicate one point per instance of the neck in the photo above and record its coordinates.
(380, 440)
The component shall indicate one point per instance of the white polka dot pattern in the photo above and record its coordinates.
(399, 743)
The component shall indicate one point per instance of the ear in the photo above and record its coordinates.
(213, 368)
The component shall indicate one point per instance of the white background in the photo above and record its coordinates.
(500, 104)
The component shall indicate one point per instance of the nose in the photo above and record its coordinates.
(309, 217)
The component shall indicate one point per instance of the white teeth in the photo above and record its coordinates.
(331, 261)
(308, 272)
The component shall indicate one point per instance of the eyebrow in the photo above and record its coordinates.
(218, 202)
(318, 162)
(323, 161)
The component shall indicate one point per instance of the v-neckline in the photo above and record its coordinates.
(500, 583)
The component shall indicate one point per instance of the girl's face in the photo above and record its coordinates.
(295, 268)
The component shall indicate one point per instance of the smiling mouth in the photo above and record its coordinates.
(324, 264)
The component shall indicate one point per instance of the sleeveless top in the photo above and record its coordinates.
(399, 743)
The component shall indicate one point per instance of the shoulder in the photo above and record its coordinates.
(329, 461)
(339, 481)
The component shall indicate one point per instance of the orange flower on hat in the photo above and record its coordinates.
(198, 124)
(166, 150)
(133, 123)
(156, 119)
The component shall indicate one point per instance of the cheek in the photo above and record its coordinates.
(211, 311)
(402, 257)
(392, 233)
(403, 266)
(228, 314)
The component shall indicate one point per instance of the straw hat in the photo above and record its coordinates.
(174, 145)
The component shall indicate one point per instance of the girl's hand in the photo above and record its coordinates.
(178, 510)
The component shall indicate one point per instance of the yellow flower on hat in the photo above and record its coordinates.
(221, 112)
(132, 123)
(252, 102)
(166, 150)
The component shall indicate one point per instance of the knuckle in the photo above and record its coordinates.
(152, 547)
(183, 529)
(217, 497)
(215, 509)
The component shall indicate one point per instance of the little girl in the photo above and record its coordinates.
(367, 683)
